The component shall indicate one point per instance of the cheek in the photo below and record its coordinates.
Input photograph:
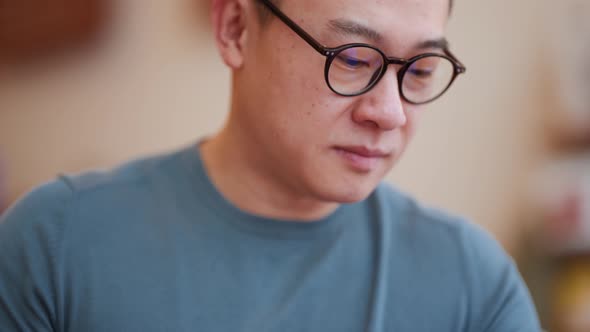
(311, 112)
(305, 113)
(414, 115)
(309, 122)
(300, 72)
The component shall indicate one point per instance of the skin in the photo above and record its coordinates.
(291, 148)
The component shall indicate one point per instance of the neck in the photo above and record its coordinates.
(241, 174)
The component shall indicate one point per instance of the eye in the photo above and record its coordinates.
(351, 62)
(420, 72)
(424, 68)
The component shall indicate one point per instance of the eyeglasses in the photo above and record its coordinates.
(353, 69)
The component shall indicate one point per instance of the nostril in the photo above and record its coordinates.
(370, 124)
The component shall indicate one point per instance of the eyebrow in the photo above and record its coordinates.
(439, 43)
(348, 27)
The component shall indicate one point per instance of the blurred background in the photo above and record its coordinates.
(93, 83)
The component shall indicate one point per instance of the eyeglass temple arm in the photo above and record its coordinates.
(296, 28)
(462, 67)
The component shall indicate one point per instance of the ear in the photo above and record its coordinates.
(229, 26)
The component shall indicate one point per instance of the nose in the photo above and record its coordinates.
(382, 106)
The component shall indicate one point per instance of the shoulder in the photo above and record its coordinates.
(30, 234)
(126, 175)
(57, 221)
(407, 215)
(46, 202)
(51, 205)
(464, 257)
(455, 236)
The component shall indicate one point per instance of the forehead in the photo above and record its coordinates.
(400, 22)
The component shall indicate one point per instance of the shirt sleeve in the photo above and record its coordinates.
(500, 300)
(30, 233)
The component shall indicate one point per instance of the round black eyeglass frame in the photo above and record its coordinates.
(332, 52)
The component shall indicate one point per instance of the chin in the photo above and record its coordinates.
(342, 183)
(346, 193)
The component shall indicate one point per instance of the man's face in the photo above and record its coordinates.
(321, 144)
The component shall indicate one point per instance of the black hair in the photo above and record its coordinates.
(264, 14)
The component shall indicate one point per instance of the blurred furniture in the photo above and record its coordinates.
(559, 248)
(571, 295)
(33, 28)
(558, 262)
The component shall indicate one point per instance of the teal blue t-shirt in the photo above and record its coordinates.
(153, 246)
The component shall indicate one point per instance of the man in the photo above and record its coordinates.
(278, 222)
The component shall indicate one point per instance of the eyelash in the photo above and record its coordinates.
(356, 63)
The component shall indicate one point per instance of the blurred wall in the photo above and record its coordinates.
(155, 83)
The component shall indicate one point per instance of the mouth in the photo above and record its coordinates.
(360, 158)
